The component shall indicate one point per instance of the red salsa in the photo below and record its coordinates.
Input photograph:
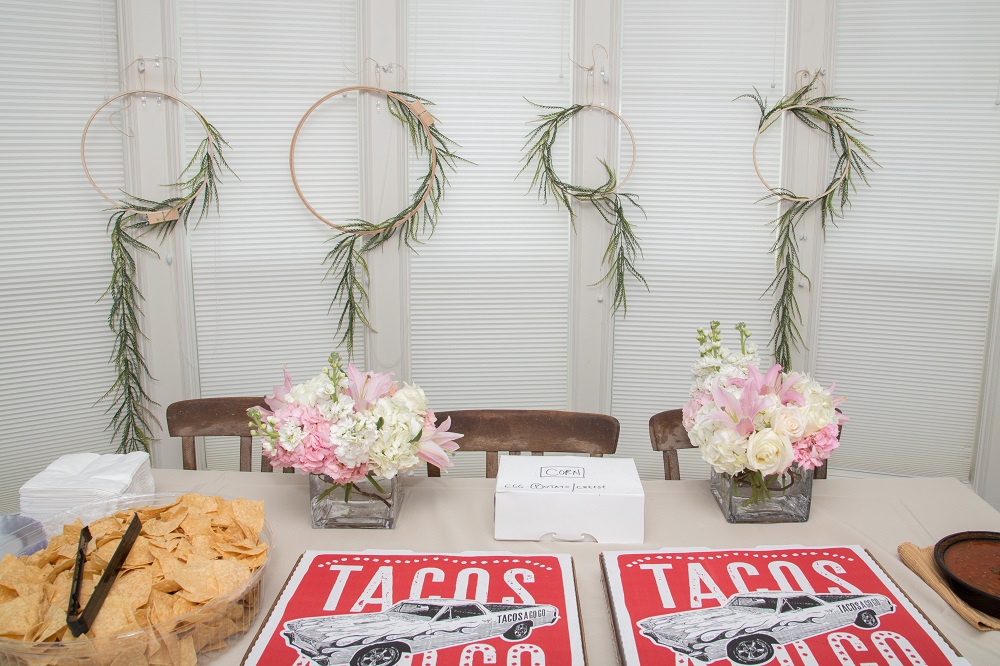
(976, 563)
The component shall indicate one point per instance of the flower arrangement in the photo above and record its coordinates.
(755, 426)
(351, 425)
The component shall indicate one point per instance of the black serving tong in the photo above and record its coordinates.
(79, 622)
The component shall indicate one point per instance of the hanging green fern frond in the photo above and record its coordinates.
(357, 238)
(131, 406)
(854, 160)
(623, 246)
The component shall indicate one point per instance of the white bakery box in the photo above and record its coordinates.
(568, 498)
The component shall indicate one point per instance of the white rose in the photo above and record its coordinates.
(412, 398)
(768, 452)
(789, 421)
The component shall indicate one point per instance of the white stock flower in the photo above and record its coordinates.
(289, 435)
(314, 392)
(352, 437)
(334, 411)
(768, 452)
(790, 421)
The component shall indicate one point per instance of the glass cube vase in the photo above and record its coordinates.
(366, 508)
(787, 499)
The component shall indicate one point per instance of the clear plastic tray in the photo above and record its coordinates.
(213, 626)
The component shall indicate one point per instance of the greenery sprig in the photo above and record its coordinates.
(854, 159)
(623, 246)
(357, 238)
(131, 406)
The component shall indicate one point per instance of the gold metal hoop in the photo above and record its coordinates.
(83, 151)
(413, 106)
(631, 137)
(830, 120)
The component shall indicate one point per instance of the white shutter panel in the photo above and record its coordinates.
(490, 291)
(705, 241)
(260, 301)
(59, 61)
(907, 274)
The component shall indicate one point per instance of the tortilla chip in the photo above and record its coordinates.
(249, 514)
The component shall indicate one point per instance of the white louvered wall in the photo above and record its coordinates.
(907, 277)
(490, 291)
(705, 241)
(60, 60)
(258, 267)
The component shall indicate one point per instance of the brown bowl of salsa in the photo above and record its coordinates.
(970, 562)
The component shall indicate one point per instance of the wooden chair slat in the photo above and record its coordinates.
(517, 431)
(213, 417)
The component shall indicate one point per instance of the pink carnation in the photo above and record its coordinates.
(810, 452)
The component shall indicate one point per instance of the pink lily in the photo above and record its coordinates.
(773, 382)
(838, 400)
(737, 411)
(274, 401)
(367, 387)
(436, 442)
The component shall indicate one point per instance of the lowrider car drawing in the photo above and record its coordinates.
(416, 625)
(748, 626)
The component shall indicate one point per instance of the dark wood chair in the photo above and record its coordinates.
(518, 431)
(215, 417)
(667, 434)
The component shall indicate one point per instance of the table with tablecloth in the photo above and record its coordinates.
(452, 515)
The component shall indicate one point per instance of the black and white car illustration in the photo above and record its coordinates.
(415, 625)
(748, 626)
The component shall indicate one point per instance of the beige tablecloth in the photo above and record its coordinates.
(455, 514)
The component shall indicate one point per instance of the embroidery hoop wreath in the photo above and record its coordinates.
(359, 237)
(130, 218)
(606, 198)
(823, 113)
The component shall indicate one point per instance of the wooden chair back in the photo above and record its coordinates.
(215, 417)
(667, 434)
(518, 431)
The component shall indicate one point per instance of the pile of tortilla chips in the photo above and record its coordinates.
(188, 553)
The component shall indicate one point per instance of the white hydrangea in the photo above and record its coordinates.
(726, 451)
(819, 408)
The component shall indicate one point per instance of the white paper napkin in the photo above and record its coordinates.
(81, 478)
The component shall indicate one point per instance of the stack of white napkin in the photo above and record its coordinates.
(82, 478)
